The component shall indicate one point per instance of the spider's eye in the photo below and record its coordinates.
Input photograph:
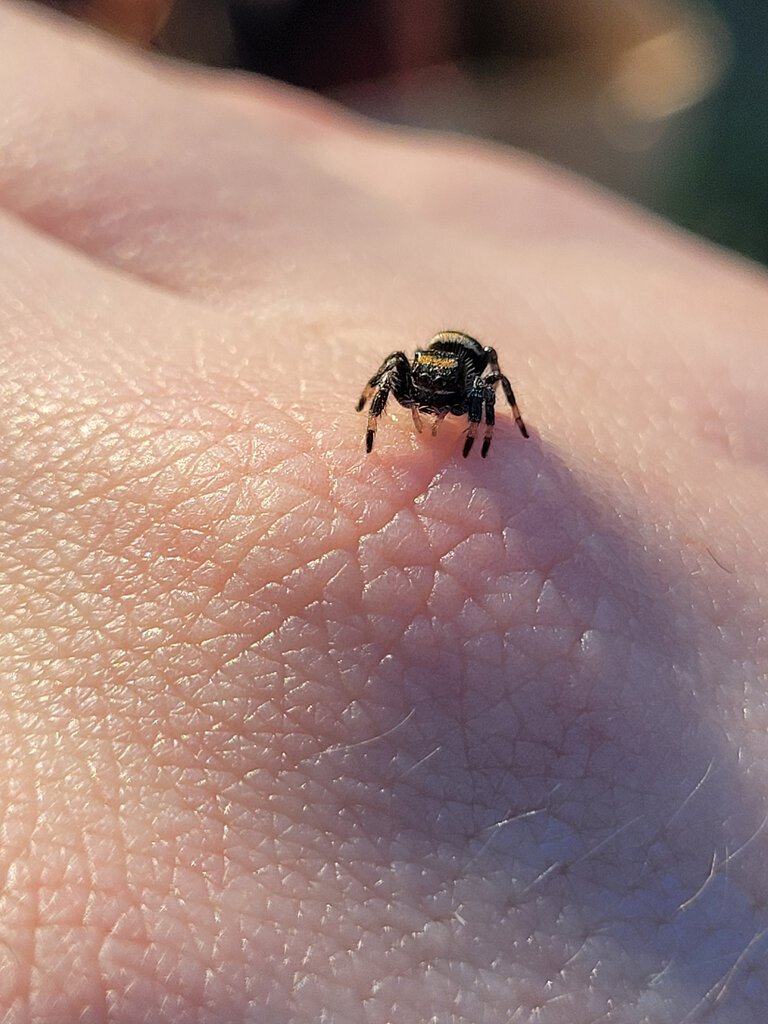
(430, 366)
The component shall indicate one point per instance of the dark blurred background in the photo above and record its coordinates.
(664, 101)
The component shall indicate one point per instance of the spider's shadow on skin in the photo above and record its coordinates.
(543, 720)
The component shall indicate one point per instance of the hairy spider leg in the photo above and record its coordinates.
(496, 376)
(367, 392)
(490, 419)
(507, 388)
(393, 375)
(476, 400)
(377, 378)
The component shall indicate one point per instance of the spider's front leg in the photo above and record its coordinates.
(490, 419)
(476, 400)
(394, 375)
(482, 397)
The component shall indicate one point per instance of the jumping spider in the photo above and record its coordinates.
(448, 377)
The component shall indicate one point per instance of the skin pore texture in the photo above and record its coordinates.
(293, 734)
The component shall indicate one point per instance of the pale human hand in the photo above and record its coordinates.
(291, 733)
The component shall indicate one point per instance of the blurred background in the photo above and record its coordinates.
(663, 101)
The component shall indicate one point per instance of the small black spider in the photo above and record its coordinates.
(448, 377)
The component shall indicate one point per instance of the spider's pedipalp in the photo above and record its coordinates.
(437, 421)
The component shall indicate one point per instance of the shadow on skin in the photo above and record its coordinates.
(526, 756)
(441, 718)
(293, 729)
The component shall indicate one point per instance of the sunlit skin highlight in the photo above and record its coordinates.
(291, 733)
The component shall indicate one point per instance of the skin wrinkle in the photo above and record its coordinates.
(332, 737)
(91, 197)
(523, 290)
(468, 744)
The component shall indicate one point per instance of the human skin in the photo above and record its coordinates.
(290, 733)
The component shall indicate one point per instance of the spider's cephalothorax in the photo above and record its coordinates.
(456, 375)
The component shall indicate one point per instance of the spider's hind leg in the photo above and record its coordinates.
(510, 396)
